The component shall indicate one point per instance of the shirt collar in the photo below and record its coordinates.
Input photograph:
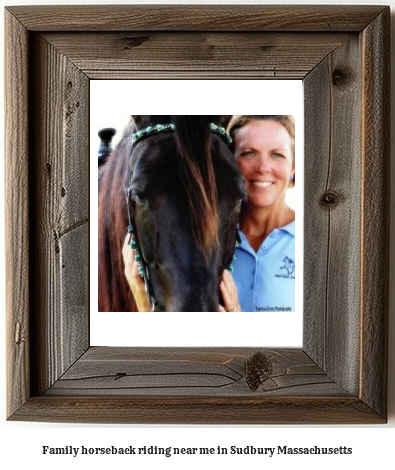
(290, 228)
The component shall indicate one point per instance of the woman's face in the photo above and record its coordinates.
(263, 151)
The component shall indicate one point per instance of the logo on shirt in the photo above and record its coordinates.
(288, 269)
(289, 265)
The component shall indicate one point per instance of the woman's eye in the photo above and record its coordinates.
(248, 153)
(278, 155)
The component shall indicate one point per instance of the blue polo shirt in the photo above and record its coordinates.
(265, 279)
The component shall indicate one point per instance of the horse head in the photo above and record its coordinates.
(184, 194)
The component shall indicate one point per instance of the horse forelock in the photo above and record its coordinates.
(193, 142)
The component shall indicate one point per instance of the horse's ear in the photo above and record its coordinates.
(221, 121)
(144, 121)
(138, 121)
(225, 120)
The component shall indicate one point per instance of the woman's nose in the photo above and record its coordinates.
(262, 164)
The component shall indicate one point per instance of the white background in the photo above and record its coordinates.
(183, 97)
(20, 443)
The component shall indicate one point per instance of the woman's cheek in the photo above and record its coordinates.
(243, 166)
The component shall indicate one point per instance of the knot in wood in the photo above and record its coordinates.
(340, 77)
(259, 369)
(330, 199)
(135, 41)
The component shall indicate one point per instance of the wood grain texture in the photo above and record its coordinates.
(191, 55)
(188, 372)
(376, 212)
(198, 410)
(317, 113)
(60, 201)
(17, 213)
(344, 255)
(339, 376)
(196, 18)
(194, 386)
(334, 171)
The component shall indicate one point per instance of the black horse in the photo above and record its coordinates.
(181, 183)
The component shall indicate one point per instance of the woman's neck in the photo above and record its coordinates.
(257, 223)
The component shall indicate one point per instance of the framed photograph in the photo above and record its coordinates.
(339, 375)
(110, 103)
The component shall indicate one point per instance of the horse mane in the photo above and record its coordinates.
(193, 141)
(114, 292)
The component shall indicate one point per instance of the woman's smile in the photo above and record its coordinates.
(262, 184)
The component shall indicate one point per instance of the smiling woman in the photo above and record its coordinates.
(264, 147)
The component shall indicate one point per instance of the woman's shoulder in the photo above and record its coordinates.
(289, 227)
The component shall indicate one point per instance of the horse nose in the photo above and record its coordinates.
(206, 307)
(193, 290)
(195, 303)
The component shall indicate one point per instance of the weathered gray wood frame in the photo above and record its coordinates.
(340, 374)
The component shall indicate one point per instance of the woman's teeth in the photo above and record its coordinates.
(262, 184)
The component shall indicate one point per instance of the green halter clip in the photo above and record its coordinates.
(231, 268)
(221, 131)
(152, 130)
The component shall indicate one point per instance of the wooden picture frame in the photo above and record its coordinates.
(340, 374)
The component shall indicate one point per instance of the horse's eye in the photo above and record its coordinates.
(137, 197)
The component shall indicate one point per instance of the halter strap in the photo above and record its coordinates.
(134, 244)
(152, 130)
